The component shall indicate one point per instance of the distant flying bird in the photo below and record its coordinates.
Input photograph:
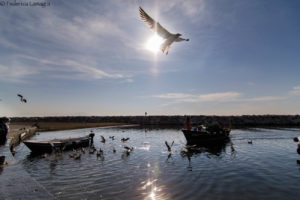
(22, 99)
(161, 31)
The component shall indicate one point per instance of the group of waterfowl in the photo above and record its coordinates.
(76, 154)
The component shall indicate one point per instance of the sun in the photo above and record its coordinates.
(154, 43)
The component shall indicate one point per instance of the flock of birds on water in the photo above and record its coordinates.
(77, 153)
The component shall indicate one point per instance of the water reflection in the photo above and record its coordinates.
(150, 188)
(209, 150)
(212, 149)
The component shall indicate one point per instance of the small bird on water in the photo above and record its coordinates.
(161, 31)
(112, 137)
(102, 139)
(124, 139)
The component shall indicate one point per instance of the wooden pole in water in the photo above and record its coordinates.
(188, 123)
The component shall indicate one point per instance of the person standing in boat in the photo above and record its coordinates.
(4, 128)
(188, 123)
(3, 135)
(297, 139)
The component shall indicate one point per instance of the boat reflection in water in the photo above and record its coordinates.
(209, 150)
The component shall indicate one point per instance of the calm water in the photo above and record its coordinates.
(266, 169)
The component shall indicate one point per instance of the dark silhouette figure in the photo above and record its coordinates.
(3, 129)
(296, 139)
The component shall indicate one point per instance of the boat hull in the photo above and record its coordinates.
(48, 146)
(197, 137)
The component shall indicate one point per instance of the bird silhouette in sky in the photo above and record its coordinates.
(162, 32)
(22, 99)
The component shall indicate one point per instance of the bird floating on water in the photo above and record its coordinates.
(124, 139)
(99, 153)
(112, 137)
(92, 149)
(161, 31)
(128, 148)
(22, 99)
(102, 139)
(249, 141)
(77, 156)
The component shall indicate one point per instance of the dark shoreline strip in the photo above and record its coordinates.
(176, 120)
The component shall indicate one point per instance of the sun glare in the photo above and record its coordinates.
(154, 43)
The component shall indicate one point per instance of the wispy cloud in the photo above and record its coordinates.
(191, 98)
(267, 98)
(81, 70)
(175, 98)
(16, 72)
(295, 91)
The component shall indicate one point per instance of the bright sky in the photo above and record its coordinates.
(78, 57)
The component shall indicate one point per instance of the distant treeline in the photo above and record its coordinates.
(236, 121)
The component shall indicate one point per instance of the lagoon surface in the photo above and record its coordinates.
(265, 169)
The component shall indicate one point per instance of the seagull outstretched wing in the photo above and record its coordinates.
(161, 31)
(154, 25)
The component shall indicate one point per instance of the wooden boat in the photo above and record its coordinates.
(212, 134)
(206, 137)
(61, 144)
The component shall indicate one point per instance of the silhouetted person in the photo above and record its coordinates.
(188, 123)
(297, 139)
(3, 129)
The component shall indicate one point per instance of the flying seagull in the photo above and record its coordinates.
(161, 31)
(22, 99)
